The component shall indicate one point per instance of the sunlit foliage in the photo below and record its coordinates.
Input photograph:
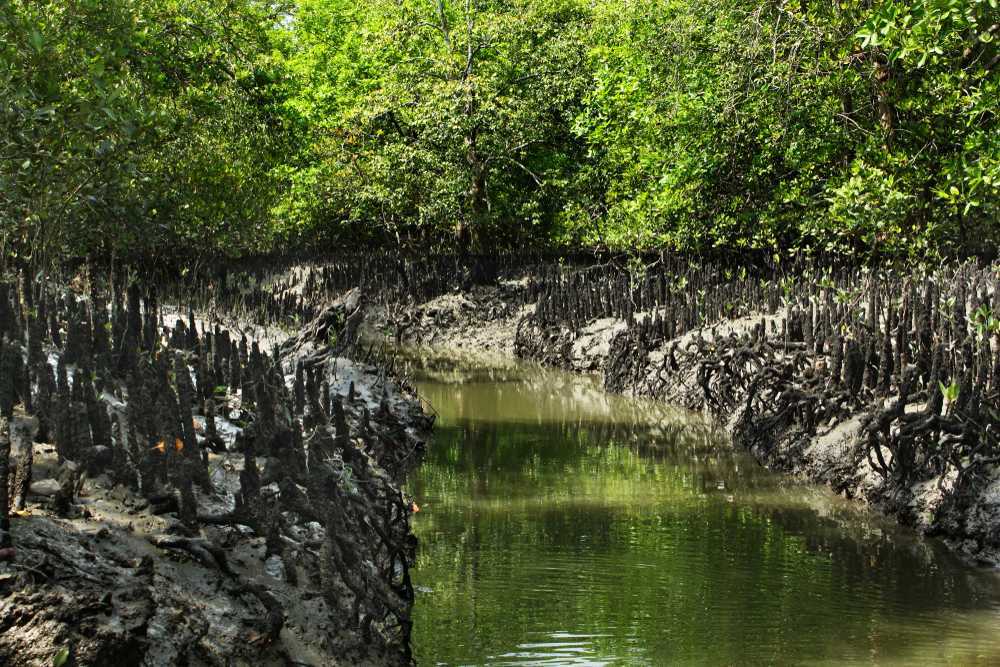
(142, 126)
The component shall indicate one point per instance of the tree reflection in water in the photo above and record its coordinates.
(561, 525)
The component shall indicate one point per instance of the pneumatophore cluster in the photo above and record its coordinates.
(907, 361)
(105, 376)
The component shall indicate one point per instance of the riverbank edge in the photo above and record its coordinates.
(114, 578)
(832, 453)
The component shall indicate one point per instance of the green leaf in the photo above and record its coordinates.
(61, 658)
(36, 41)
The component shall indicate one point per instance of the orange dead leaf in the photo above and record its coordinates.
(160, 447)
(179, 445)
(414, 507)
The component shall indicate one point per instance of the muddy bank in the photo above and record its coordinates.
(774, 403)
(480, 320)
(177, 493)
(884, 386)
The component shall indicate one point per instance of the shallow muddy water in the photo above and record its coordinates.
(559, 526)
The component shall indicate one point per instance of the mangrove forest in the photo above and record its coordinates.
(464, 332)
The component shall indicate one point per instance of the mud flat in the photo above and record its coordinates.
(176, 493)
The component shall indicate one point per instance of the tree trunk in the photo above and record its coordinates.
(468, 229)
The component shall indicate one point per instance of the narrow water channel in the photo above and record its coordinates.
(560, 525)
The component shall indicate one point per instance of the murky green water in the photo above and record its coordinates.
(562, 526)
